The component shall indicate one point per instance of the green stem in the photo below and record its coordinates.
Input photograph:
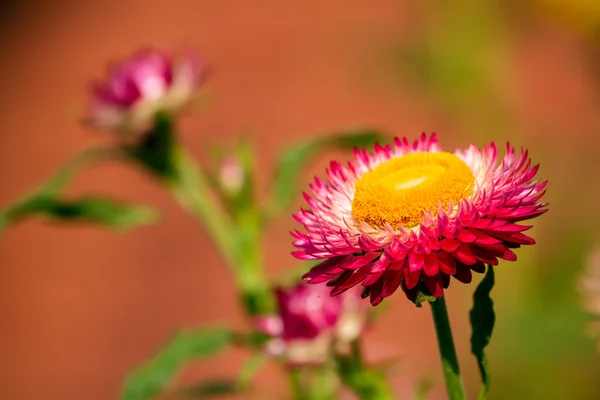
(367, 384)
(238, 241)
(191, 189)
(296, 383)
(454, 384)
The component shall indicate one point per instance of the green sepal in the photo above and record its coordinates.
(155, 149)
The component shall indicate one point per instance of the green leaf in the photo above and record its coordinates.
(482, 322)
(249, 370)
(153, 377)
(294, 159)
(44, 197)
(211, 388)
(102, 211)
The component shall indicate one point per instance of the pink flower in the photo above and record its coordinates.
(138, 88)
(309, 321)
(412, 216)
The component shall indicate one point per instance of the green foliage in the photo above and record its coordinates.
(211, 388)
(98, 210)
(155, 151)
(45, 201)
(294, 159)
(153, 377)
(482, 319)
(365, 382)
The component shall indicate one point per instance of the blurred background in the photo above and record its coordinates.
(81, 306)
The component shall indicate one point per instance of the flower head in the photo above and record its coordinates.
(138, 88)
(412, 216)
(309, 321)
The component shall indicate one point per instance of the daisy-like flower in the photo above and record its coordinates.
(309, 321)
(412, 216)
(137, 89)
(589, 286)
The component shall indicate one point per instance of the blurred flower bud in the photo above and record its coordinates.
(231, 175)
(135, 90)
(589, 286)
(310, 321)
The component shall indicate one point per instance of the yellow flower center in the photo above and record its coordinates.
(398, 191)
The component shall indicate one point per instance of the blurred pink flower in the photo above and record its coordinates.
(589, 286)
(310, 321)
(141, 86)
(412, 216)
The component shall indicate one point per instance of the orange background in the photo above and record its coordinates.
(81, 306)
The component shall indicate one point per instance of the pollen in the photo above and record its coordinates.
(401, 189)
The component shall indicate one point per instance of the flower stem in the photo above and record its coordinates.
(296, 383)
(366, 383)
(190, 187)
(454, 384)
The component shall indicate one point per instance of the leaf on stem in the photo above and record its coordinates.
(106, 212)
(482, 318)
(209, 389)
(291, 162)
(249, 370)
(44, 198)
(153, 377)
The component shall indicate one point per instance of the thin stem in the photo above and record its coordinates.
(366, 383)
(191, 189)
(454, 384)
(296, 383)
(238, 241)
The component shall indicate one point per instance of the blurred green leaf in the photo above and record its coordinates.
(43, 198)
(211, 388)
(482, 319)
(294, 159)
(249, 370)
(102, 211)
(153, 377)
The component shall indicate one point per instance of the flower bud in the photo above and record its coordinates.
(310, 321)
(138, 88)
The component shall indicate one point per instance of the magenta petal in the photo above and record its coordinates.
(431, 265)
(376, 293)
(377, 270)
(435, 285)
(463, 273)
(415, 261)
(465, 255)
(447, 263)
(356, 262)
(466, 236)
(411, 279)
(449, 245)
(392, 282)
